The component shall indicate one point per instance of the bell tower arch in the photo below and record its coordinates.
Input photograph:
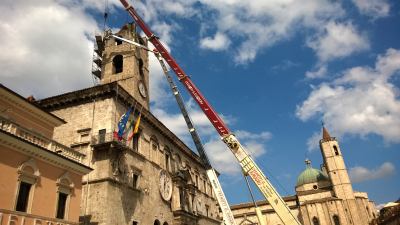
(127, 64)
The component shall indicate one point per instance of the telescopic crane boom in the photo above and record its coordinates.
(211, 174)
(246, 162)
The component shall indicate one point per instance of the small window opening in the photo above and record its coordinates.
(315, 187)
(135, 141)
(315, 221)
(141, 69)
(336, 220)
(167, 162)
(23, 196)
(141, 41)
(118, 41)
(62, 202)
(118, 64)
(156, 222)
(336, 150)
(134, 223)
(135, 179)
(102, 136)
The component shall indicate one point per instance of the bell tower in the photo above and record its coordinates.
(125, 63)
(337, 172)
(335, 167)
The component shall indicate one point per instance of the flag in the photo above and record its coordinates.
(136, 129)
(122, 124)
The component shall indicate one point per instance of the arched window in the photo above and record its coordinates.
(156, 222)
(141, 71)
(177, 163)
(167, 157)
(336, 150)
(336, 220)
(28, 176)
(118, 64)
(65, 188)
(315, 221)
(154, 153)
(165, 223)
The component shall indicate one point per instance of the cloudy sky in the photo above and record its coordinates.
(273, 70)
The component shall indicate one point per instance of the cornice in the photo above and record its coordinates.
(111, 90)
(262, 202)
(30, 107)
(25, 147)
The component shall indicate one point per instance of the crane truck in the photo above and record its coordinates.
(247, 164)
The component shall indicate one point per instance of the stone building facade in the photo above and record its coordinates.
(40, 179)
(155, 178)
(323, 197)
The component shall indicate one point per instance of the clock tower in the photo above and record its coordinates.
(126, 64)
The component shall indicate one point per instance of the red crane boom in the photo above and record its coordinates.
(246, 162)
(216, 121)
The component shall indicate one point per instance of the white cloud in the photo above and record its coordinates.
(45, 47)
(216, 43)
(362, 101)
(220, 156)
(373, 8)
(223, 159)
(337, 40)
(360, 174)
(176, 122)
(318, 73)
(313, 141)
(256, 25)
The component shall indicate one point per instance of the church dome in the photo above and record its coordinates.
(311, 175)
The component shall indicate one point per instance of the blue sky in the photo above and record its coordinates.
(273, 69)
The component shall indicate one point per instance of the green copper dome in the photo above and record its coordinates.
(310, 175)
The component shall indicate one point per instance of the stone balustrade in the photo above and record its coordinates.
(39, 140)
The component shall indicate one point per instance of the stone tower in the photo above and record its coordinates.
(337, 172)
(335, 167)
(127, 64)
(151, 177)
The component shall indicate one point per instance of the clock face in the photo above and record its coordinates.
(142, 89)
(165, 185)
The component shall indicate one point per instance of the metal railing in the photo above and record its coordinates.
(40, 140)
(102, 138)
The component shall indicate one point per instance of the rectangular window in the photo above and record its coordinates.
(135, 179)
(135, 141)
(62, 202)
(23, 197)
(102, 136)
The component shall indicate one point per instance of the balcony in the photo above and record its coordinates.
(39, 140)
(105, 139)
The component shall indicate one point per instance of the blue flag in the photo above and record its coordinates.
(122, 122)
